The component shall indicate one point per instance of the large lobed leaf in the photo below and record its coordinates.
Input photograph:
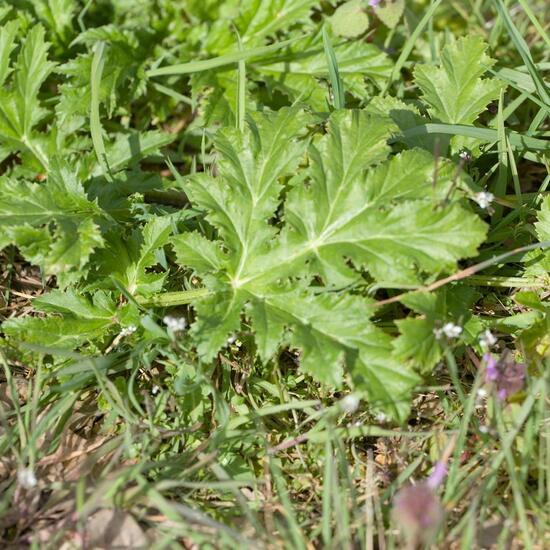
(347, 210)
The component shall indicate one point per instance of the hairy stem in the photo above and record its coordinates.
(169, 299)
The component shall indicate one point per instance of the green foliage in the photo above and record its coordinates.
(83, 320)
(52, 223)
(350, 19)
(335, 212)
(246, 239)
(302, 71)
(123, 77)
(20, 82)
(419, 341)
(126, 259)
(455, 92)
(390, 12)
(57, 15)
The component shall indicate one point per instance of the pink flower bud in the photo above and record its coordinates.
(506, 374)
(437, 476)
(418, 512)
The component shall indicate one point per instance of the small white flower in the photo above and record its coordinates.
(438, 333)
(465, 155)
(155, 389)
(127, 331)
(482, 393)
(484, 199)
(26, 478)
(350, 403)
(381, 418)
(231, 339)
(175, 324)
(484, 429)
(487, 339)
(451, 330)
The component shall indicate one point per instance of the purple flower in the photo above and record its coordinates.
(491, 372)
(374, 3)
(506, 374)
(437, 476)
(418, 512)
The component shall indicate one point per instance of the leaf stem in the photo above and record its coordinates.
(170, 299)
(179, 298)
(468, 272)
(504, 282)
(36, 151)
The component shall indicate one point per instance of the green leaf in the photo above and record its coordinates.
(350, 19)
(82, 320)
(537, 262)
(391, 12)
(401, 242)
(417, 343)
(196, 251)
(128, 149)
(338, 93)
(123, 79)
(455, 92)
(52, 223)
(347, 208)
(405, 116)
(7, 44)
(129, 259)
(543, 223)
(57, 15)
(301, 72)
(256, 21)
(20, 109)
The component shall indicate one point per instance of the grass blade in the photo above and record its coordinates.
(98, 63)
(241, 90)
(336, 84)
(409, 44)
(518, 141)
(529, 12)
(523, 51)
(221, 61)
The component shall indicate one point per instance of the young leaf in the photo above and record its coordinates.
(455, 91)
(57, 15)
(52, 223)
(127, 259)
(123, 78)
(390, 13)
(350, 19)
